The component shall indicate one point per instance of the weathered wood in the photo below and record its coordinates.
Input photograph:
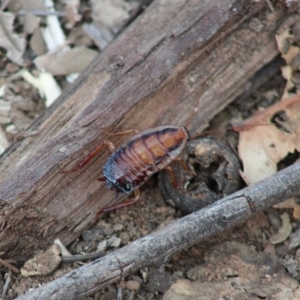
(152, 74)
(155, 249)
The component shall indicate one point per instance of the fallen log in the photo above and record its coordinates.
(150, 75)
(155, 249)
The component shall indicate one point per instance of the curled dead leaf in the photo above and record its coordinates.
(284, 231)
(262, 147)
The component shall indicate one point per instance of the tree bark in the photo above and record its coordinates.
(152, 74)
(155, 249)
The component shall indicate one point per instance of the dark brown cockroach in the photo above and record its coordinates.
(146, 153)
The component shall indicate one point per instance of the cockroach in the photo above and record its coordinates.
(145, 154)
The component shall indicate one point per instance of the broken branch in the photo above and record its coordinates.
(155, 249)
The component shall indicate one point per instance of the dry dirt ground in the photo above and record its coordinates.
(246, 262)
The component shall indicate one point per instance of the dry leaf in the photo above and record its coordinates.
(262, 147)
(66, 62)
(99, 34)
(26, 5)
(79, 37)
(31, 23)
(37, 43)
(296, 212)
(284, 231)
(110, 13)
(72, 12)
(108, 18)
(289, 51)
(9, 40)
(286, 204)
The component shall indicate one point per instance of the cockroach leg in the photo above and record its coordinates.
(183, 163)
(173, 177)
(137, 194)
(109, 145)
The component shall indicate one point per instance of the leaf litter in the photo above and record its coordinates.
(9, 40)
(262, 148)
(45, 48)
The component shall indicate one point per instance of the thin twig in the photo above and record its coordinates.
(6, 285)
(82, 257)
(9, 266)
(63, 250)
(156, 248)
(42, 13)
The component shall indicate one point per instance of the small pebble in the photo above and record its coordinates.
(106, 228)
(151, 225)
(93, 234)
(114, 242)
(108, 231)
(162, 210)
(125, 238)
(132, 235)
(118, 227)
(12, 68)
(131, 226)
(43, 263)
(270, 249)
(282, 250)
(115, 220)
(124, 217)
(133, 285)
(102, 246)
(178, 274)
(294, 240)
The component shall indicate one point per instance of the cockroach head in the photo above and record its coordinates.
(118, 185)
(111, 186)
